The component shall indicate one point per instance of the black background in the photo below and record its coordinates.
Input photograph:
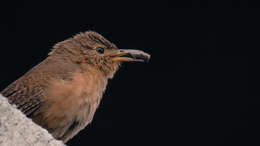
(201, 86)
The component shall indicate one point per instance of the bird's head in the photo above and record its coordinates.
(93, 49)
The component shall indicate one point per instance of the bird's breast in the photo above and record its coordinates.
(73, 100)
(83, 88)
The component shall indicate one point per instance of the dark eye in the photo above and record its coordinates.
(100, 50)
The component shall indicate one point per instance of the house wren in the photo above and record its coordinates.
(62, 93)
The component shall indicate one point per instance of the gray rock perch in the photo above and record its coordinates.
(17, 130)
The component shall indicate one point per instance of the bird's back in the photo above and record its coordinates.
(27, 92)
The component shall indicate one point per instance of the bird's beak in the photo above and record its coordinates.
(128, 55)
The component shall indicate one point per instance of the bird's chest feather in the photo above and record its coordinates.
(74, 100)
(83, 88)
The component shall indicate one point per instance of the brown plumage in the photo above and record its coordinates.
(63, 92)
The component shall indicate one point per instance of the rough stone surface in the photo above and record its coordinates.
(17, 130)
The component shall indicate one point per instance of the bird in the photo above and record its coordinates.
(62, 93)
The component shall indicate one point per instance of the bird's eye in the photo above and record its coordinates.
(100, 50)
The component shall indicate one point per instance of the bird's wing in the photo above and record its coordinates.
(27, 99)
